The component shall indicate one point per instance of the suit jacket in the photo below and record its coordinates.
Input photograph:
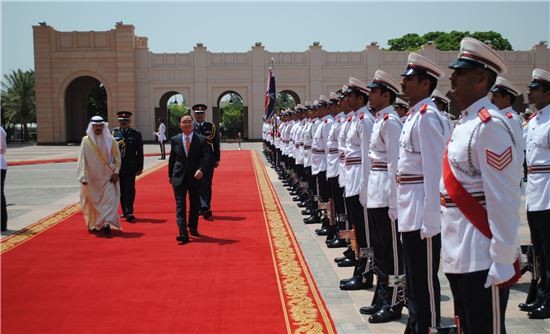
(182, 168)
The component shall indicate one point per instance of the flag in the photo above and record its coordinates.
(270, 95)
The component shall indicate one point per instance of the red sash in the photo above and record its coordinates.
(473, 211)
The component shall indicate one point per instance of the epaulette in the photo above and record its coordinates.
(424, 108)
(361, 115)
(509, 115)
(408, 113)
(350, 117)
(386, 116)
(484, 115)
(326, 120)
(339, 119)
(533, 115)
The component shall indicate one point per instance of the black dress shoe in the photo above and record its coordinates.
(130, 218)
(543, 312)
(194, 232)
(385, 314)
(301, 205)
(183, 238)
(347, 263)
(369, 310)
(296, 198)
(356, 283)
(312, 220)
(528, 307)
(207, 214)
(107, 229)
(337, 243)
(321, 231)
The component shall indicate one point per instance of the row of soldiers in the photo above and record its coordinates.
(404, 191)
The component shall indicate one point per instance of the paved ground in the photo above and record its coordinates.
(35, 191)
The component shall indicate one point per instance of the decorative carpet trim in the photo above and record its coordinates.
(299, 295)
(27, 233)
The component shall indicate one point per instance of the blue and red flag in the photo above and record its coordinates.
(270, 95)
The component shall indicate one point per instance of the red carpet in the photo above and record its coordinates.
(245, 274)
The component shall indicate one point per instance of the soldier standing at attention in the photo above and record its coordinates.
(480, 195)
(131, 150)
(422, 142)
(537, 193)
(212, 135)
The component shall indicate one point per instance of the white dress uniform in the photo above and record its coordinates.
(333, 159)
(482, 156)
(357, 138)
(538, 188)
(480, 200)
(342, 148)
(383, 155)
(318, 148)
(308, 141)
(419, 168)
(421, 145)
(316, 156)
(300, 142)
(538, 161)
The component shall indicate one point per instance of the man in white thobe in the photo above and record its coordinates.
(98, 167)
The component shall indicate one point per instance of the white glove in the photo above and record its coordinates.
(499, 273)
(392, 213)
(429, 231)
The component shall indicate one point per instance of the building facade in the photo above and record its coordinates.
(67, 64)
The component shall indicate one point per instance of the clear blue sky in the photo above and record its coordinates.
(282, 26)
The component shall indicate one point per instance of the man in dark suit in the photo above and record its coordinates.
(130, 145)
(212, 135)
(189, 159)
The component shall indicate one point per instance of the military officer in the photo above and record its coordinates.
(356, 165)
(401, 108)
(538, 186)
(421, 144)
(503, 96)
(479, 195)
(382, 197)
(319, 163)
(212, 135)
(131, 151)
(336, 192)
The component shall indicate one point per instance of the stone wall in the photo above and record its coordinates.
(136, 79)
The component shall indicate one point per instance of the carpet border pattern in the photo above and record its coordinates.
(305, 311)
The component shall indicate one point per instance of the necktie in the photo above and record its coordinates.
(187, 145)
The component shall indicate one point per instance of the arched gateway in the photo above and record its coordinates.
(68, 65)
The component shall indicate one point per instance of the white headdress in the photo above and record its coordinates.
(107, 137)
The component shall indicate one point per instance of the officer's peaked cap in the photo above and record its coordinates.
(199, 108)
(474, 53)
(418, 64)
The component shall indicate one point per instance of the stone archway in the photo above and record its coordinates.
(162, 112)
(235, 120)
(286, 99)
(85, 97)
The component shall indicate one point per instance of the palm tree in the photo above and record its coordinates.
(18, 99)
